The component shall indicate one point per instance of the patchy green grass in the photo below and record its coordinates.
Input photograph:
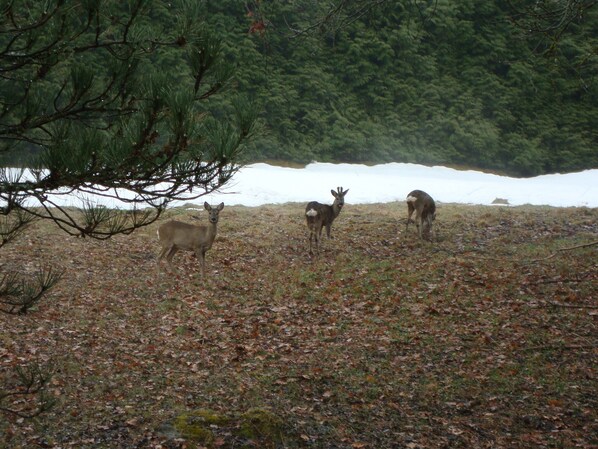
(484, 337)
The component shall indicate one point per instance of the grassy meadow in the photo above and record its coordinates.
(484, 337)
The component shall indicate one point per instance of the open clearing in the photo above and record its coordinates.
(485, 337)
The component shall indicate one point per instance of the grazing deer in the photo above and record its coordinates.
(425, 212)
(319, 215)
(175, 235)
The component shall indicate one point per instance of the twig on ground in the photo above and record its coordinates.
(562, 348)
(569, 248)
(572, 306)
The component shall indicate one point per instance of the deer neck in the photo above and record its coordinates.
(211, 232)
(335, 209)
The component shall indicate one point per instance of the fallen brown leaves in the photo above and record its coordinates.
(381, 342)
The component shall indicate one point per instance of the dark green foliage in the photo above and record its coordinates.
(447, 82)
(101, 97)
(17, 296)
(25, 394)
(499, 86)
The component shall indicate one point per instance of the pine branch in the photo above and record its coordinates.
(126, 135)
(14, 224)
(30, 390)
(17, 296)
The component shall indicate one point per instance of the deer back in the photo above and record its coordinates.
(318, 212)
(422, 202)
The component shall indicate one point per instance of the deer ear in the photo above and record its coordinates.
(221, 206)
(207, 206)
(334, 194)
(345, 192)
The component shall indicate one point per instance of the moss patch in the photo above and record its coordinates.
(259, 424)
(256, 427)
(198, 425)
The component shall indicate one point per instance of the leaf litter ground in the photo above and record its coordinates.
(484, 337)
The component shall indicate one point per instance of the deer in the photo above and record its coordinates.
(320, 215)
(176, 235)
(424, 207)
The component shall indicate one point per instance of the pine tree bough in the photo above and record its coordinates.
(18, 295)
(25, 395)
(137, 131)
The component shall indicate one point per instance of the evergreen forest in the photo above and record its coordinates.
(456, 83)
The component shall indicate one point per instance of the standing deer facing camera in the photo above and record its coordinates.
(175, 235)
(424, 207)
(319, 215)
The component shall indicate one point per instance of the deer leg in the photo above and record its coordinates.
(200, 253)
(419, 222)
(203, 261)
(318, 235)
(428, 228)
(166, 253)
(328, 230)
(160, 257)
(172, 251)
(410, 210)
(163, 253)
(171, 254)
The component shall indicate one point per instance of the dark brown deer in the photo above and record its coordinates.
(322, 215)
(424, 207)
(176, 235)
